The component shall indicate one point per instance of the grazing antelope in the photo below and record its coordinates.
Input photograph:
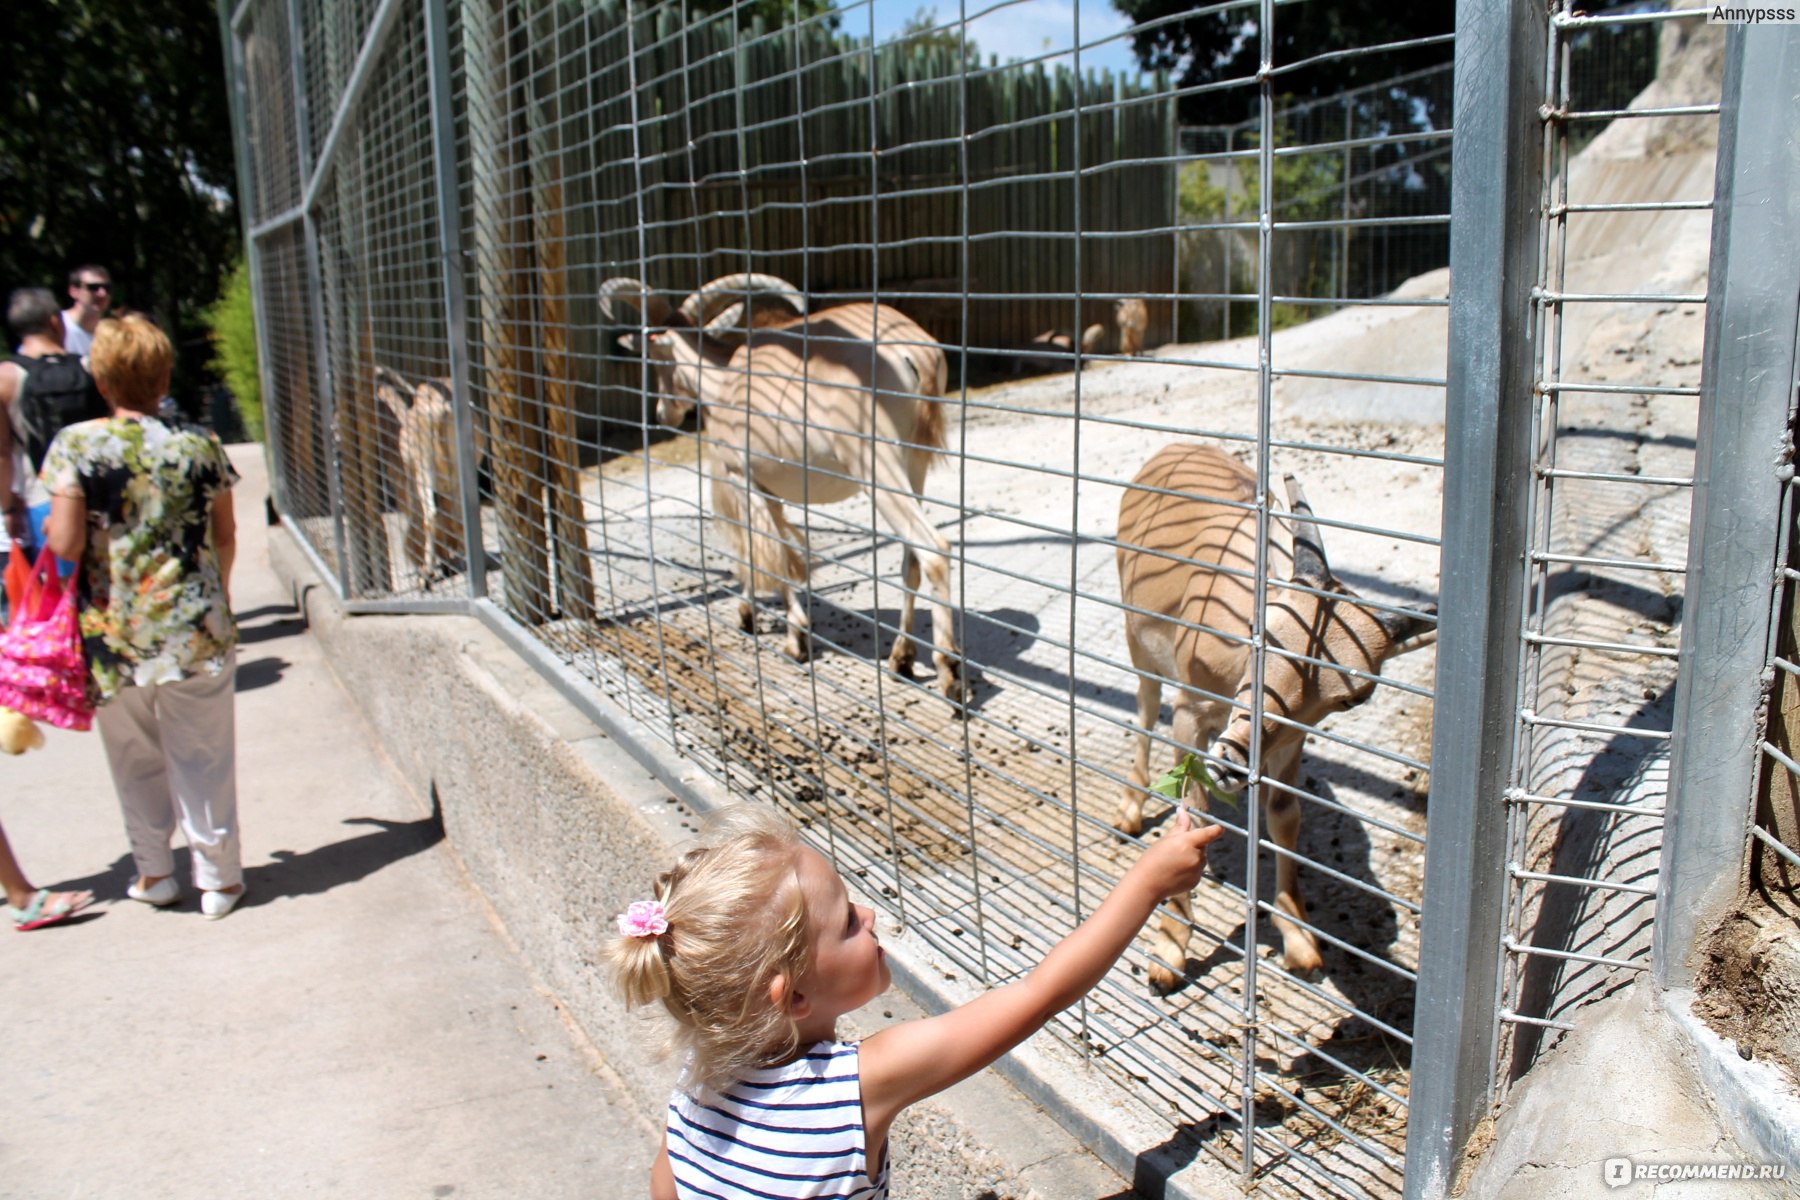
(1190, 621)
(1132, 317)
(806, 409)
(1054, 346)
(428, 498)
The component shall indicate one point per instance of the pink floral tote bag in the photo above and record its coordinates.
(43, 673)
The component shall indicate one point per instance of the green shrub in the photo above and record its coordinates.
(231, 325)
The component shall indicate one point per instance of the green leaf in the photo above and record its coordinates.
(1189, 771)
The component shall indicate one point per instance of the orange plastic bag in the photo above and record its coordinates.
(18, 574)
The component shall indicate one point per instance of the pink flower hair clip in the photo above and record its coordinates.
(644, 919)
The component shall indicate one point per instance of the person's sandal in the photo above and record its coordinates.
(47, 908)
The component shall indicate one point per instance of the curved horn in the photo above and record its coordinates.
(1408, 631)
(635, 292)
(727, 290)
(1309, 548)
(394, 379)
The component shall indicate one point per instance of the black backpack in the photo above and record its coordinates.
(56, 391)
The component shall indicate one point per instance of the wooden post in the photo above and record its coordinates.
(502, 266)
(568, 529)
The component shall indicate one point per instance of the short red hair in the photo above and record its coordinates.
(131, 360)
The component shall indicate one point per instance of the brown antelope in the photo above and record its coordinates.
(1053, 348)
(1187, 563)
(1132, 317)
(806, 409)
(429, 497)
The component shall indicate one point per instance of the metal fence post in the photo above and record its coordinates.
(1746, 397)
(310, 171)
(456, 313)
(237, 103)
(1496, 200)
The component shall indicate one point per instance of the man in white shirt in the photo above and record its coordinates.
(90, 289)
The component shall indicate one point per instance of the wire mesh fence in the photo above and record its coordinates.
(928, 348)
(1611, 494)
(1361, 184)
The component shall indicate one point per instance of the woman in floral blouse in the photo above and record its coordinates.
(145, 506)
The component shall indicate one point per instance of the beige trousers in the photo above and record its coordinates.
(172, 748)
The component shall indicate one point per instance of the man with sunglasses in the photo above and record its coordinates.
(90, 288)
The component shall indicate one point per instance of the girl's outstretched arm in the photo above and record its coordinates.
(662, 1178)
(906, 1063)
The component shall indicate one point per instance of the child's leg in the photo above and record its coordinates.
(13, 882)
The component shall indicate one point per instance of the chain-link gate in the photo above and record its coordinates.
(612, 321)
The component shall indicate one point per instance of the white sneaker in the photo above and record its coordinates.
(160, 894)
(217, 904)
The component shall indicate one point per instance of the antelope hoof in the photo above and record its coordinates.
(1301, 957)
(1131, 817)
(902, 659)
(1163, 977)
(746, 617)
(1299, 952)
(799, 647)
(950, 680)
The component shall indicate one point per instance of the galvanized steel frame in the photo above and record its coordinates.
(1495, 196)
(1742, 493)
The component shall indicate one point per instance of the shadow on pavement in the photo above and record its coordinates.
(304, 874)
(337, 863)
(260, 672)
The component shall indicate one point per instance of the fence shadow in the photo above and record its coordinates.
(1587, 843)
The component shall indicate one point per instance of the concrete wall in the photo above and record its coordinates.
(558, 826)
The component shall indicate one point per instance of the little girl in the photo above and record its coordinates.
(755, 949)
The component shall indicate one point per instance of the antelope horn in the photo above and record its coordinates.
(1309, 548)
(653, 308)
(397, 382)
(1409, 631)
(727, 290)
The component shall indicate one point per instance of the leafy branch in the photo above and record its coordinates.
(1191, 771)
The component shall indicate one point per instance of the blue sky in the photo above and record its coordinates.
(1011, 28)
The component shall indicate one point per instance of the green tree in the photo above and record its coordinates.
(115, 148)
(1216, 46)
(231, 323)
(772, 14)
(923, 30)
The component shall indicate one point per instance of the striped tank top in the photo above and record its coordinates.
(792, 1132)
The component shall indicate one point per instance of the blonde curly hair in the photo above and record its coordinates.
(736, 919)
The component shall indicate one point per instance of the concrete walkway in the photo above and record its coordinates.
(360, 1026)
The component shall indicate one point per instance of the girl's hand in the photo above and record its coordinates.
(1173, 864)
(905, 1063)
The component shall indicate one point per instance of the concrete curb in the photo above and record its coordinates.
(559, 823)
(1756, 1105)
